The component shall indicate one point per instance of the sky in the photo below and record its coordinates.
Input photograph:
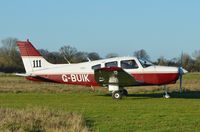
(161, 27)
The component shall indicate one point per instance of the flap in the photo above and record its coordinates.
(113, 75)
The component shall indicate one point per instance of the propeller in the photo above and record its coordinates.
(181, 72)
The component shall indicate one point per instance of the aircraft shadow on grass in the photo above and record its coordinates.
(184, 95)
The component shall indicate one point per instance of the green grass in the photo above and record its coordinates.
(140, 111)
(192, 76)
(105, 114)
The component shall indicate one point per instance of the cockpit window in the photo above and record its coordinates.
(111, 64)
(96, 67)
(145, 63)
(129, 64)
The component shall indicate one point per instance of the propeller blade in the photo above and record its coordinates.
(181, 64)
(181, 71)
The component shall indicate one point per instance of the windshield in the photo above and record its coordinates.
(145, 63)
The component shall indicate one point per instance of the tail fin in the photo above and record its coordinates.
(31, 58)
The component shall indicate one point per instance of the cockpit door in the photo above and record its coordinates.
(133, 67)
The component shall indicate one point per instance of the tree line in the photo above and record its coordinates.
(10, 60)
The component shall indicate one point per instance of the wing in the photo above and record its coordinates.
(114, 75)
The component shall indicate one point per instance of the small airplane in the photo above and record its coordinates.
(114, 73)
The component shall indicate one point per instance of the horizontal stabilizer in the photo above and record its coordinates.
(24, 75)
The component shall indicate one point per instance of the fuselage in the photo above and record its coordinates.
(83, 73)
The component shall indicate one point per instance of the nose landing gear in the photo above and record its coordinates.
(166, 95)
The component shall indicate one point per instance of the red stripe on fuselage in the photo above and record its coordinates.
(88, 79)
(27, 49)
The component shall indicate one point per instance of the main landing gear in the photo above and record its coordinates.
(118, 94)
(117, 91)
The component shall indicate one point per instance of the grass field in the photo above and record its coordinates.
(143, 110)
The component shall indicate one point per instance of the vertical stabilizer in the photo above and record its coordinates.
(31, 58)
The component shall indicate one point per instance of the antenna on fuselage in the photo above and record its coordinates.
(66, 60)
(88, 59)
(64, 56)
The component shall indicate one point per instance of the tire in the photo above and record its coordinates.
(116, 95)
(167, 96)
(125, 92)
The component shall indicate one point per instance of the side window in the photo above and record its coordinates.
(111, 64)
(96, 66)
(129, 64)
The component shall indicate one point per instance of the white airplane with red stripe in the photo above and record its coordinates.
(114, 73)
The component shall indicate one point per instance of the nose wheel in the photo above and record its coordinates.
(166, 95)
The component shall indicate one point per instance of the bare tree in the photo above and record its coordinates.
(68, 53)
(196, 56)
(10, 60)
(80, 57)
(112, 55)
(141, 54)
(187, 61)
(52, 57)
(162, 61)
(93, 56)
(9, 45)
